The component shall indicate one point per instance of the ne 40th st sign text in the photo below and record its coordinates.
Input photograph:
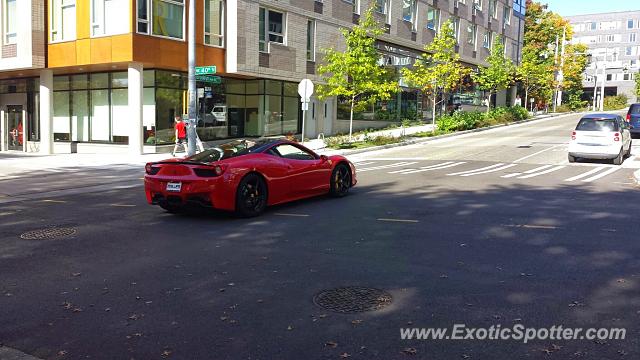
(205, 70)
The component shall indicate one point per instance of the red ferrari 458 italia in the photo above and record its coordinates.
(246, 176)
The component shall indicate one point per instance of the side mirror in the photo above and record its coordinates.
(324, 158)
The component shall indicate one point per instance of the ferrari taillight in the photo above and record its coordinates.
(219, 170)
(150, 169)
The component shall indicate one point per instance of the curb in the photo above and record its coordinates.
(457, 133)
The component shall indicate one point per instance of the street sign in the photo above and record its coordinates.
(209, 79)
(206, 70)
(305, 89)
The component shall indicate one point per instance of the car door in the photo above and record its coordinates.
(305, 169)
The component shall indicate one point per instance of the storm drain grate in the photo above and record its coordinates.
(49, 233)
(352, 299)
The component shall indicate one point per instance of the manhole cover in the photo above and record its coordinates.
(352, 299)
(50, 233)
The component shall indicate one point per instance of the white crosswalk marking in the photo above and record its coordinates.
(542, 172)
(424, 167)
(601, 175)
(364, 163)
(527, 172)
(472, 171)
(433, 168)
(492, 170)
(388, 166)
(593, 171)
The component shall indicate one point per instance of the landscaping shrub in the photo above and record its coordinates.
(615, 102)
(563, 109)
(459, 121)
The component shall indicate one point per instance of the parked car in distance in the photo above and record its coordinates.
(633, 119)
(246, 176)
(600, 136)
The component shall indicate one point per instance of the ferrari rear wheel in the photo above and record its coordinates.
(340, 181)
(251, 196)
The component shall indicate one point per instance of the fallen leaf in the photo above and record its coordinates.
(344, 355)
(76, 274)
(289, 327)
(331, 344)
(409, 351)
(166, 353)
(62, 352)
(356, 322)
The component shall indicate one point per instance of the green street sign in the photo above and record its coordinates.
(209, 79)
(205, 70)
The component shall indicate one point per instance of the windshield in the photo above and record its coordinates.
(607, 125)
(635, 109)
(228, 150)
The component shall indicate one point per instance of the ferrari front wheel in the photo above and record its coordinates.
(251, 196)
(340, 181)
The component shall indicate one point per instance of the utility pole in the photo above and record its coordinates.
(555, 75)
(561, 72)
(191, 129)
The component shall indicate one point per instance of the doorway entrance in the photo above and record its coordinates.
(14, 127)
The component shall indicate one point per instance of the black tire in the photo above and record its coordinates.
(571, 159)
(340, 181)
(618, 160)
(251, 196)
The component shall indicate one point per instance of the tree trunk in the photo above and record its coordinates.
(526, 96)
(489, 102)
(353, 99)
(433, 114)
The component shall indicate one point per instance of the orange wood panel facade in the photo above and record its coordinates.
(94, 53)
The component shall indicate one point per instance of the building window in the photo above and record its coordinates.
(593, 26)
(409, 8)
(632, 38)
(272, 28)
(433, 18)
(214, 22)
(486, 40)
(10, 19)
(143, 16)
(628, 51)
(630, 24)
(477, 5)
(63, 20)
(493, 8)
(109, 17)
(472, 34)
(168, 18)
(382, 6)
(455, 22)
(311, 40)
(506, 16)
(610, 38)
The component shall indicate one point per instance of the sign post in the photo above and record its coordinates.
(305, 89)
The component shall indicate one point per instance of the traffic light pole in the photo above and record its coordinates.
(191, 129)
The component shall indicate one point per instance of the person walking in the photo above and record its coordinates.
(181, 136)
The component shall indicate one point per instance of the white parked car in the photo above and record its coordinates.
(600, 136)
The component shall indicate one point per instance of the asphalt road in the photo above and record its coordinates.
(485, 229)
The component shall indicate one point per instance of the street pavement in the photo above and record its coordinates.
(489, 228)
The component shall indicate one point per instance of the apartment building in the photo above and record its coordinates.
(614, 44)
(115, 71)
(22, 55)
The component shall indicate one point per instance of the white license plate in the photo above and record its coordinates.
(174, 186)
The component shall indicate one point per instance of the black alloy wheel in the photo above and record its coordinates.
(340, 180)
(251, 196)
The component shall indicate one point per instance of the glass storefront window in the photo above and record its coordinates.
(60, 83)
(79, 82)
(120, 128)
(79, 115)
(99, 115)
(168, 105)
(290, 89)
(61, 128)
(149, 78)
(273, 87)
(119, 80)
(170, 79)
(99, 81)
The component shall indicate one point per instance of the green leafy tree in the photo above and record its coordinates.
(575, 63)
(638, 85)
(498, 75)
(439, 70)
(534, 73)
(357, 73)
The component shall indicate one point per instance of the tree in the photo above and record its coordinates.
(534, 73)
(575, 62)
(439, 70)
(498, 75)
(543, 30)
(357, 73)
(638, 86)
